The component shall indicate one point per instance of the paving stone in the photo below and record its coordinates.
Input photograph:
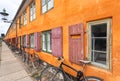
(14, 76)
(25, 79)
(11, 68)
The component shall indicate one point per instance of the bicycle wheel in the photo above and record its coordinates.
(51, 74)
(92, 78)
(27, 58)
(36, 61)
(23, 57)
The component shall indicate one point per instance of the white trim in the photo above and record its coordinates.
(47, 6)
(108, 46)
(25, 18)
(32, 11)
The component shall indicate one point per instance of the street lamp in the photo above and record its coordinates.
(4, 14)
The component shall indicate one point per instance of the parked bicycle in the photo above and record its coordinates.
(52, 73)
(23, 54)
(35, 63)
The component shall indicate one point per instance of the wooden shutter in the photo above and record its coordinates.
(57, 42)
(37, 41)
(76, 43)
(27, 41)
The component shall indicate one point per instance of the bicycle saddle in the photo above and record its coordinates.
(84, 61)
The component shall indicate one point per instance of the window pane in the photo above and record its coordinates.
(25, 18)
(32, 41)
(44, 8)
(43, 42)
(24, 40)
(98, 57)
(34, 16)
(99, 30)
(50, 4)
(43, 2)
(21, 41)
(49, 0)
(49, 42)
(32, 11)
(99, 44)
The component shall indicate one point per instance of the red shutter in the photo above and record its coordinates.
(76, 43)
(27, 41)
(57, 42)
(37, 41)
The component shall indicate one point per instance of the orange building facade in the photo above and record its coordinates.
(73, 29)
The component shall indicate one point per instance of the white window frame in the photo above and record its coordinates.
(47, 5)
(32, 41)
(32, 11)
(25, 17)
(108, 42)
(46, 41)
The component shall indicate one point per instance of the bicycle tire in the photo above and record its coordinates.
(36, 61)
(51, 74)
(92, 78)
(23, 57)
(27, 58)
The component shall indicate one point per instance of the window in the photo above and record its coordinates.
(21, 40)
(32, 11)
(20, 21)
(76, 44)
(32, 40)
(46, 41)
(25, 17)
(47, 5)
(25, 41)
(99, 42)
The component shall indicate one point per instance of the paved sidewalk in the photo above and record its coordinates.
(10, 67)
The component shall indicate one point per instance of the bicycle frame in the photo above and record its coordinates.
(80, 74)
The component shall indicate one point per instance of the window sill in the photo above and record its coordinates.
(100, 65)
(32, 20)
(47, 51)
(47, 11)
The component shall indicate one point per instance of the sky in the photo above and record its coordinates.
(11, 7)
